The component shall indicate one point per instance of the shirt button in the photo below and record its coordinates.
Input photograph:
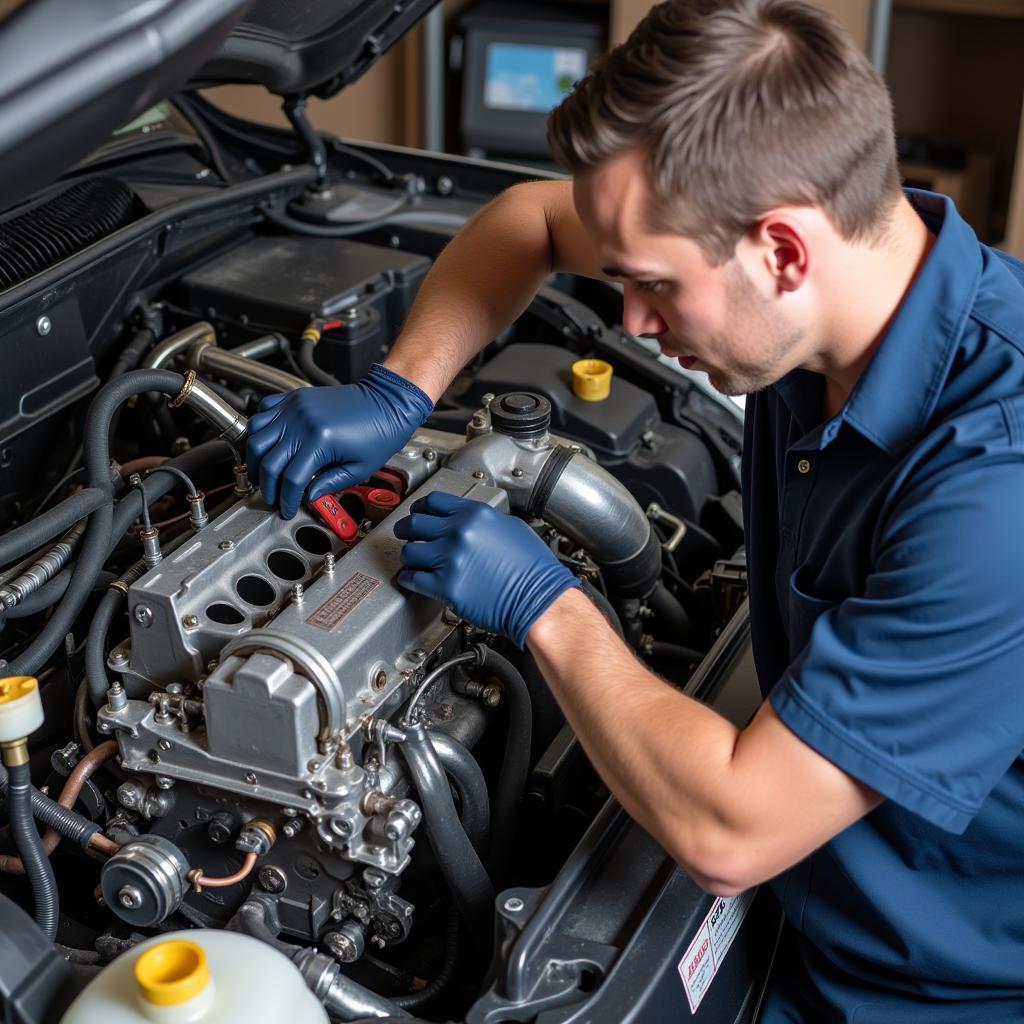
(803, 466)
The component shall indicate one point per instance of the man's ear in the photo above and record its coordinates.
(782, 240)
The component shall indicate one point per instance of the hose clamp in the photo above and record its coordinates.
(186, 389)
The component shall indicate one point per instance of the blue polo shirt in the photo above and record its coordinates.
(886, 562)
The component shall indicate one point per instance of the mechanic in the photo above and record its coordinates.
(734, 167)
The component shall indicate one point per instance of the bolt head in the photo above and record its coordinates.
(226, 545)
(380, 680)
(445, 185)
(250, 777)
(272, 879)
(43, 326)
(514, 905)
(143, 615)
(478, 474)
(190, 621)
(429, 454)
(129, 897)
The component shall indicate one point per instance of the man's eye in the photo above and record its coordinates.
(649, 286)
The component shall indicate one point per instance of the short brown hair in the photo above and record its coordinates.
(742, 105)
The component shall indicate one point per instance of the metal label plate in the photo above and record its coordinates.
(343, 601)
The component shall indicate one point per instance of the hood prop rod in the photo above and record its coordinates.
(295, 110)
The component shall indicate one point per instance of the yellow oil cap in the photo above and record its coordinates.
(591, 379)
(172, 972)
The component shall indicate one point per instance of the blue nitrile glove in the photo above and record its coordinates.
(353, 428)
(490, 568)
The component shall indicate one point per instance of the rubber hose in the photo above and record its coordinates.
(666, 607)
(51, 524)
(516, 764)
(604, 606)
(307, 362)
(462, 768)
(68, 823)
(462, 868)
(444, 976)
(51, 592)
(95, 546)
(96, 646)
(127, 511)
(30, 848)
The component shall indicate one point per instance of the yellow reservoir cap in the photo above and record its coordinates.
(21, 708)
(172, 972)
(591, 379)
(17, 687)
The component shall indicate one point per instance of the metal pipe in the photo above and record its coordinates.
(206, 357)
(589, 505)
(260, 348)
(205, 402)
(878, 42)
(177, 343)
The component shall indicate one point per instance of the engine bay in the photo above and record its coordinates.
(249, 725)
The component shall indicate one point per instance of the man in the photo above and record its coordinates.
(734, 167)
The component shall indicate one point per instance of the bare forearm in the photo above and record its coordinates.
(664, 756)
(484, 279)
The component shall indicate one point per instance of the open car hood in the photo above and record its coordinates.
(71, 73)
(308, 48)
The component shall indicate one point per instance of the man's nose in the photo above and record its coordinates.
(640, 318)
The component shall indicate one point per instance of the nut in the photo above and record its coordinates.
(514, 904)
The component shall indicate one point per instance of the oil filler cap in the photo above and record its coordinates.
(521, 414)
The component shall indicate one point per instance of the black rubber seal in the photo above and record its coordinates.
(547, 479)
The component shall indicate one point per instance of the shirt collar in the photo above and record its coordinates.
(896, 395)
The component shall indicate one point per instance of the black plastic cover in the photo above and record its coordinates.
(310, 48)
(70, 73)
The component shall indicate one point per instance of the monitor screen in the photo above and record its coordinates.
(536, 78)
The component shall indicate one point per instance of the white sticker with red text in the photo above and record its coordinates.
(705, 954)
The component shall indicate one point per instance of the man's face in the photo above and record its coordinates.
(714, 319)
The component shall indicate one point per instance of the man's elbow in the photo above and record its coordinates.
(721, 867)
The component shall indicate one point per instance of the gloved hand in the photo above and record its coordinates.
(354, 428)
(490, 568)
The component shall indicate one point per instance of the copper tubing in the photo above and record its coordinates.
(69, 795)
(200, 881)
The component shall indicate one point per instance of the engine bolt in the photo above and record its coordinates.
(380, 680)
(328, 562)
(517, 472)
(491, 696)
(143, 615)
(117, 658)
(314, 764)
(250, 777)
(298, 591)
(272, 879)
(514, 904)
(445, 185)
(190, 621)
(429, 454)
(43, 326)
(164, 744)
(130, 898)
(479, 474)
(226, 545)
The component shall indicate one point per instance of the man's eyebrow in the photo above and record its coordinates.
(624, 272)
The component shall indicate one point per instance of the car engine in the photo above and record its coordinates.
(248, 725)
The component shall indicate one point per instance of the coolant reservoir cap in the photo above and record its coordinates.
(21, 707)
(591, 379)
(521, 414)
(173, 972)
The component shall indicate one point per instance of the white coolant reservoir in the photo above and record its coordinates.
(198, 977)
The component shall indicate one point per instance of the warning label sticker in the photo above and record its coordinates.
(343, 601)
(706, 952)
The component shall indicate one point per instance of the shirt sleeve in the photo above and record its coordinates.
(916, 687)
